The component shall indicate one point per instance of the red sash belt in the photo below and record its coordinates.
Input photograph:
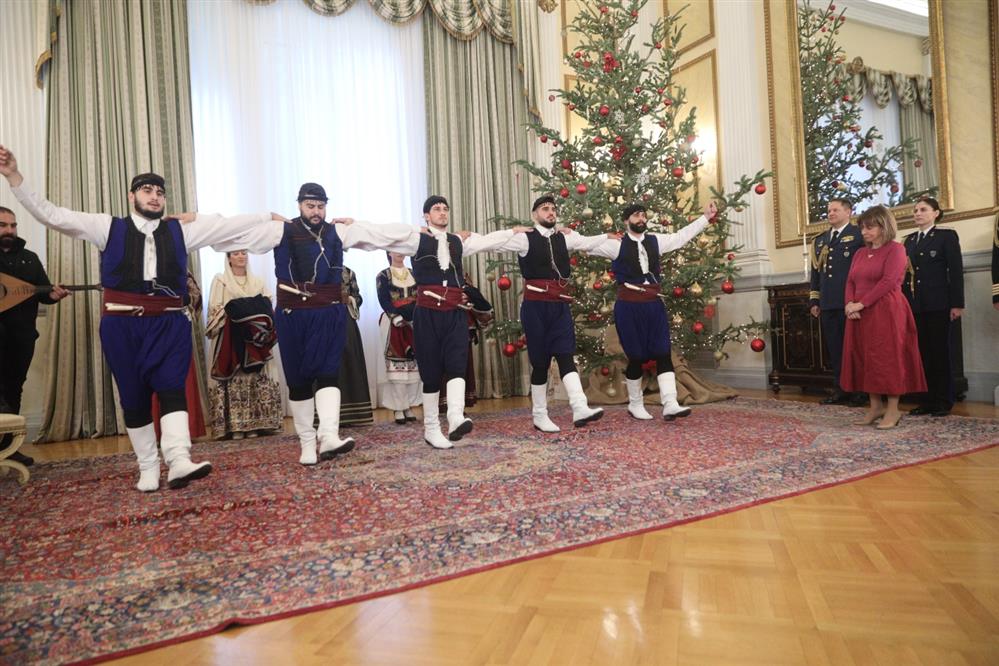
(649, 292)
(448, 298)
(315, 295)
(129, 304)
(552, 290)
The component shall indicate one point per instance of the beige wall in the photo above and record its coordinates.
(883, 49)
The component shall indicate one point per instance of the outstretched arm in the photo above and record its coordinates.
(216, 230)
(401, 238)
(505, 240)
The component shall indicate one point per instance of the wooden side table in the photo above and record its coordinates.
(13, 424)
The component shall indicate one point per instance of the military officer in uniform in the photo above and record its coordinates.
(832, 254)
(935, 289)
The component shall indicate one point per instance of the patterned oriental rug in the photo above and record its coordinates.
(92, 569)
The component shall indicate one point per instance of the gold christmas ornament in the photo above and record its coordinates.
(611, 392)
(719, 355)
(703, 241)
(677, 320)
(587, 213)
(696, 289)
(490, 277)
(712, 301)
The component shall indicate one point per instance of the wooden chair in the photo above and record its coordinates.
(14, 425)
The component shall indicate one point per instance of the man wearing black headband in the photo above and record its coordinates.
(145, 331)
(440, 322)
(639, 315)
(311, 316)
(543, 254)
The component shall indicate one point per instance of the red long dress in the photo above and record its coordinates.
(881, 349)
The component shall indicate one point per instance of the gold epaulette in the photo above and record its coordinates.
(814, 295)
(819, 262)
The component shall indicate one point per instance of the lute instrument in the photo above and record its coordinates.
(14, 292)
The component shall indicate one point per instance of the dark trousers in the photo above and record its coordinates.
(18, 346)
(833, 329)
(933, 329)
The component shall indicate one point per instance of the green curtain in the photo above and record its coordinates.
(119, 104)
(476, 118)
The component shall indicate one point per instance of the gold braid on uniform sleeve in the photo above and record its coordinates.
(819, 262)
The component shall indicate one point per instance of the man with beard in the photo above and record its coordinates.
(543, 254)
(440, 320)
(17, 325)
(639, 315)
(311, 316)
(145, 329)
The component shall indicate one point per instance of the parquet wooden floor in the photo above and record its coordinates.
(897, 569)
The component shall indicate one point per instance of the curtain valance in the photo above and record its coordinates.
(884, 85)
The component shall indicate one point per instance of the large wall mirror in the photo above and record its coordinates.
(858, 108)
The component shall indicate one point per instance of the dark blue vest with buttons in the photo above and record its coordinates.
(627, 268)
(309, 253)
(543, 259)
(426, 268)
(123, 259)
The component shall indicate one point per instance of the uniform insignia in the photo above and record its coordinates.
(846, 253)
(845, 239)
(933, 253)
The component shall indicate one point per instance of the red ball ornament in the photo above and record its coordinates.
(658, 45)
(593, 316)
(574, 225)
(618, 139)
(571, 106)
(670, 161)
(835, 183)
(573, 261)
(918, 163)
(603, 9)
(862, 163)
(847, 98)
(678, 292)
(551, 98)
(760, 189)
(598, 141)
(605, 371)
(567, 165)
(638, 91)
(564, 192)
(678, 172)
(578, 54)
(555, 143)
(691, 138)
(504, 282)
(660, 90)
(727, 286)
(610, 274)
(832, 8)
(598, 285)
(587, 64)
(634, 14)
(581, 188)
(695, 159)
(509, 350)
(520, 344)
(730, 256)
(543, 138)
(645, 108)
(667, 102)
(894, 188)
(604, 110)
(697, 328)
(709, 311)
(757, 345)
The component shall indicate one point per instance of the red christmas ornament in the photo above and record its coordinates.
(727, 286)
(667, 102)
(757, 345)
(691, 138)
(509, 350)
(598, 141)
(604, 110)
(581, 188)
(555, 143)
(862, 163)
(593, 316)
(760, 189)
(662, 123)
(598, 285)
(578, 54)
(709, 311)
(678, 172)
(645, 108)
(832, 8)
(918, 163)
(694, 160)
(573, 261)
(634, 14)
(564, 192)
(520, 344)
(658, 45)
(618, 139)
(603, 9)
(551, 98)
(697, 328)
(730, 256)
(574, 225)
(847, 98)
(894, 188)
(605, 371)
(587, 64)
(504, 282)
(670, 161)
(638, 91)
(571, 106)
(678, 291)
(543, 138)
(567, 165)
(835, 183)
(610, 274)
(868, 143)
(660, 90)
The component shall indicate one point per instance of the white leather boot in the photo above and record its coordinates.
(458, 425)
(328, 406)
(303, 413)
(667, 394)
(636, 402)
(539, 410)
(581, 411)
(432, 434)
(148, 454)
(176, 443)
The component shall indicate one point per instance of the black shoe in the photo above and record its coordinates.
(858, 400)
(921, 411)
(940, 412)
(17, 456)
(837, 398)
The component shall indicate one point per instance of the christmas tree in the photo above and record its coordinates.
(842, 158)
(637, 146)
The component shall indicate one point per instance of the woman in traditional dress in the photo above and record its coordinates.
(880, 347)
(355, 404)
(399, 386)
(248, 401)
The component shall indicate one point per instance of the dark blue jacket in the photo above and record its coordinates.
(831, 264)
(934, 279)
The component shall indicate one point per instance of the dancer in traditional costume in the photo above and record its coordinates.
(398, 377)
(355, 406)
(145, 328)
(640, 316)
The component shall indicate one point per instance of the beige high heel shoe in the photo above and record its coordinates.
(869, 420)
(886, 425)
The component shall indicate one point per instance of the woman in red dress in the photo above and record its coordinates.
(880, 348)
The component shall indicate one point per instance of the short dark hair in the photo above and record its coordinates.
(934, 204)
(4, 209)
(631, 210)
(843, 201)
(542, 200)
(432, 201)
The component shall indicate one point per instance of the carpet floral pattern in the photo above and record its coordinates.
(91, 568)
